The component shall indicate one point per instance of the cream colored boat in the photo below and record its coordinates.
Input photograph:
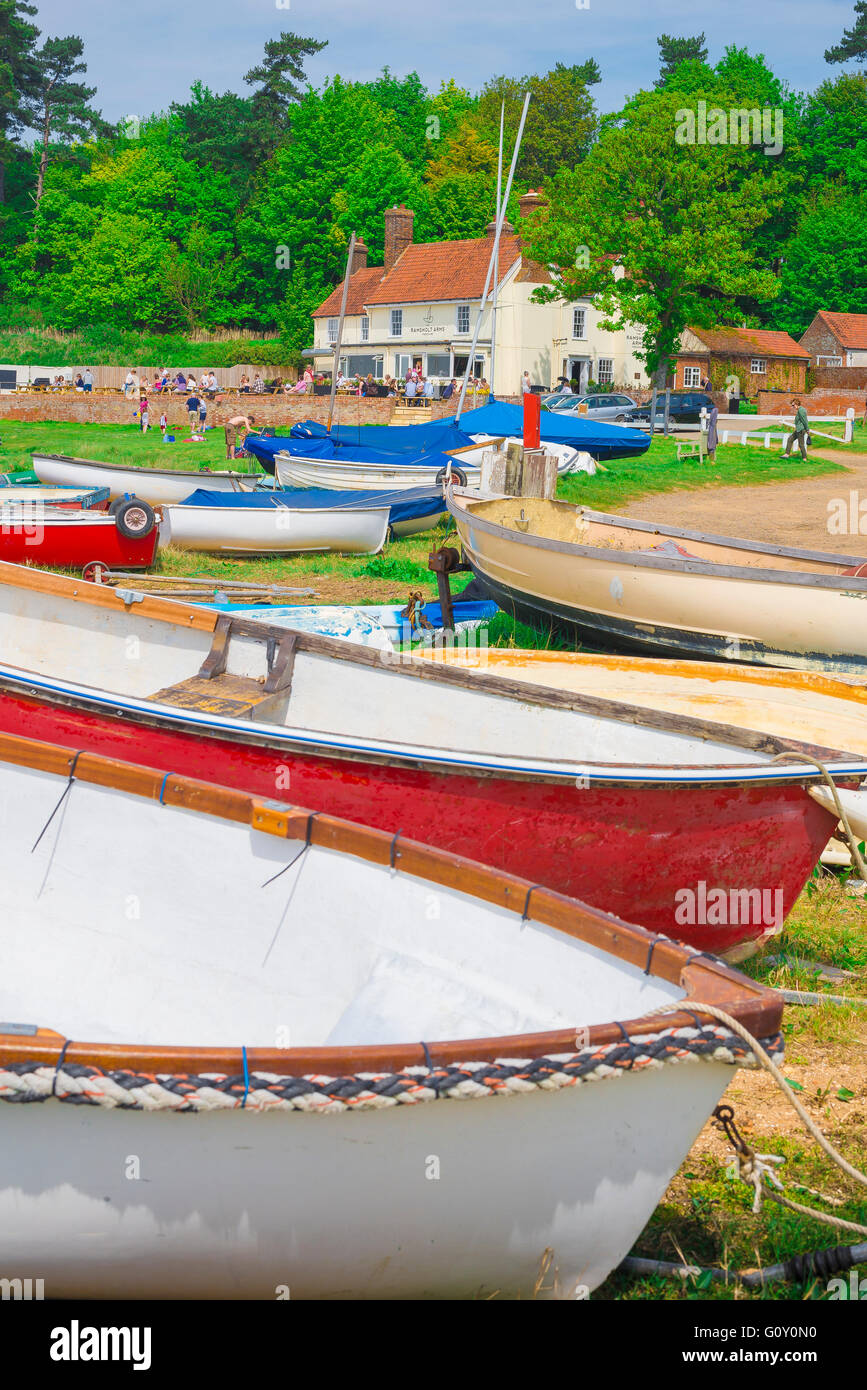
(802, 705)
(647, 588)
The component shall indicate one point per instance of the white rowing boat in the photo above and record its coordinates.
(277, 530)
(618, 804)
(154, 485)
(424, 1058)
(297, 470)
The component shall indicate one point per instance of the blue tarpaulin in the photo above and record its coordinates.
(425, 444)
(404, 504)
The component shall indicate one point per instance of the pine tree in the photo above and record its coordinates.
(60, 107)
(674, 51)
(854, 41)
(18, 77)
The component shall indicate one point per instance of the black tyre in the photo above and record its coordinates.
(458, 476)
(134, 519)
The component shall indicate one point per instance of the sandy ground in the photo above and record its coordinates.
(782, 513)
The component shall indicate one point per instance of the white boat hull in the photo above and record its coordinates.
(157, 486)
(162, 950)
(277, 531)
(453, 1200)
(295, 470)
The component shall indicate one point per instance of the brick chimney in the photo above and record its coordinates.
(531, 201)
(359, 257)
(398, 233)
(508, 229)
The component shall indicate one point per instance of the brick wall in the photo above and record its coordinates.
(819, 341)
(280, 412)
(818, 402)
(840, 378)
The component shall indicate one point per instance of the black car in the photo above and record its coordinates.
(685, 408)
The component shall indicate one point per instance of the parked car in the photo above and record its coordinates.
(685, 408)
(599, 406)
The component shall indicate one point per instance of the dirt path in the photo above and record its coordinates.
(783, 513)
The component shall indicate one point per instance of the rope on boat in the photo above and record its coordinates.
(857, 856)
(76, 1084)
(755, 1168)
(814, 1264)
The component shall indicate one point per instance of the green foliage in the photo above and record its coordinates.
(825, 263)
(674, 51)
(854, 41)
(681, 216)
(236, 209)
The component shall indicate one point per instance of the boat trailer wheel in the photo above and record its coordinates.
(95, 572)
(134, 519)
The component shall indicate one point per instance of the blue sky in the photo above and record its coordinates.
(142, 56)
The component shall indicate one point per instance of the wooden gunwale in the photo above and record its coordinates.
(171, 612)
(704, 979)
(139, 468)
(674, 564)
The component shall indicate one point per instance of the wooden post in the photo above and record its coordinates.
(514, 469)
(540, 474)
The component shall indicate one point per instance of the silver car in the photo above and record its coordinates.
(599, 406)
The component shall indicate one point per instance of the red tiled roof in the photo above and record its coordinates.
(850, 330)
(436, 270)
(744, 341)
(360, 284)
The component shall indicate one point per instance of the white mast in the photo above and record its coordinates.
(495, 254)
(496, 272)
(336, 365)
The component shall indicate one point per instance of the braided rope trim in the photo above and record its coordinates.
(23, 1082)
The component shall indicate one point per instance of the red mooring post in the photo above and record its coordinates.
(532, 420)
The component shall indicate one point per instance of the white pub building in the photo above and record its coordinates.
(420, 308)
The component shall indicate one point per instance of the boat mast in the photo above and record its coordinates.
(336, 364)
(495, 255)
(496, 275)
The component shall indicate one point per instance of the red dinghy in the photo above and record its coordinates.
(686, 826)
(35, 534)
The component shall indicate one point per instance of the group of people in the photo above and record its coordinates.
(164, 382)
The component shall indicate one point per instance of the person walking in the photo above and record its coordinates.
(526, 384)
(800, 429)
(144, 414)
(203, 417)
(193, 404)
(712, 432)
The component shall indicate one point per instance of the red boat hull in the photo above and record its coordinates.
(73, 541)
(640, 852)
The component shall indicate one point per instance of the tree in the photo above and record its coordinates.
(60, 106)
(220, 130)
(674, 51)
(825, 263)
(561, 120)
(854, 41)
(589, 72)
(277, 83)
(19, 76)
(669, 228)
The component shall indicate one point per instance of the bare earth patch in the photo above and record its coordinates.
(781, 513)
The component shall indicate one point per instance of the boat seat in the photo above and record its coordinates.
(239, 697)
(214, 691)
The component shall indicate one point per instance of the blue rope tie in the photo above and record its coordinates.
(163, 787)
(246, 1077)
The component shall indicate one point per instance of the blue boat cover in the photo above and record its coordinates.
(404, 504)
(350, 447)
(423, 444)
